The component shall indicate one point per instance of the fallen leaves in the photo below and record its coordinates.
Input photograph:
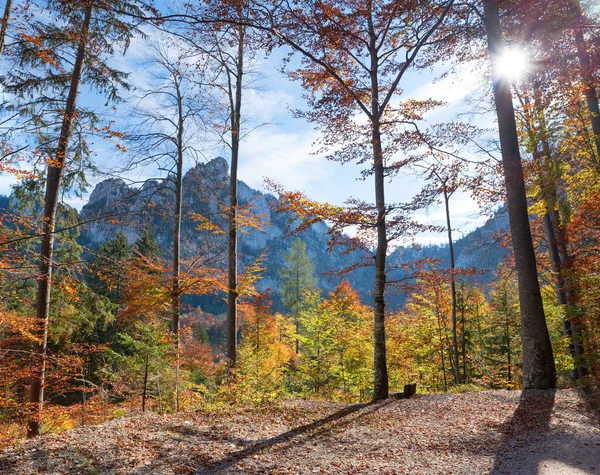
(466, 433)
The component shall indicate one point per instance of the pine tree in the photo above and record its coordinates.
(297, 277)
(110, 266)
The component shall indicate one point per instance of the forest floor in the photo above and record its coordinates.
(501, 432)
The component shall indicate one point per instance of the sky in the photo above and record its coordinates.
(283, 149)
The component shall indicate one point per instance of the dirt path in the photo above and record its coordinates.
(472, 433)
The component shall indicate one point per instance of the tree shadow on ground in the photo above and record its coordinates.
(529, 446)
(340, 418)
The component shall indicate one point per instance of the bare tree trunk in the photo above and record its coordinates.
(464, 337)
(83, 396)
(539, 371)
(587, 77)
(453, 289)
(3, 30)
(176, 285)
(439, 321)
(53, 185)
(508, 347)
(232, 293)
(145, 387)
(175, 290)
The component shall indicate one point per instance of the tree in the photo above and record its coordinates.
(444, 180)
(229, 47)
(263, 355)
(297, 277)
(168, 136)
(501, 334)
(354, 57)
(84, 40)
(586, 70)
(538, 361)
(548, 179)
(351, 341)
(110, 266)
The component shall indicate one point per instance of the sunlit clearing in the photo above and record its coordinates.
(513, 64)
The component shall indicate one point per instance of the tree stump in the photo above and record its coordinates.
(410, 390)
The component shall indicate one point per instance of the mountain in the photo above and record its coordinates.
(114, 206)
(206, 188)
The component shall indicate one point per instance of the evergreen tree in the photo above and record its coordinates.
(297, 278)
(147, 246)
(110, 266)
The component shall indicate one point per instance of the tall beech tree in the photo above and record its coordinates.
(443, 181)
(87, 33)
(170, 135)
(548, 179)
(228, 45)
(354, 56)
(538, 362)
(590, 86)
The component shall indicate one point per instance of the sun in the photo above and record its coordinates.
(513, 64)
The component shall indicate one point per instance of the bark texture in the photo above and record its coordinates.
(232, 294)
(587, 76)
(4, 29)
(453, 290)
(380, 375)
(53, 184)
(539, 371)
(176, 284)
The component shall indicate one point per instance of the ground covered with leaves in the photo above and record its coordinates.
(478, 432)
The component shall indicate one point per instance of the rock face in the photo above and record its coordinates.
(205, 194)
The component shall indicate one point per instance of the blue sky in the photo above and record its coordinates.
(283, 151)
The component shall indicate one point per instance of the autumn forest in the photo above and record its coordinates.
(140, 274)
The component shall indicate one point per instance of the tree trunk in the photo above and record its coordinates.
(176, 284)
(175, 290)
(539, 371)
(453, 289)
(232, 293)
(83, 396)
(439, 318)
(559, 258)
(380, 363)
(3, 30)
(53, 185)
(145, 387)
(508, 347)
(587, 77)
(380, 375)
(559, 284)
(296, 316)
(464, 337)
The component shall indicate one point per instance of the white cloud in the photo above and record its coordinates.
(283, 157)
(267, 105)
